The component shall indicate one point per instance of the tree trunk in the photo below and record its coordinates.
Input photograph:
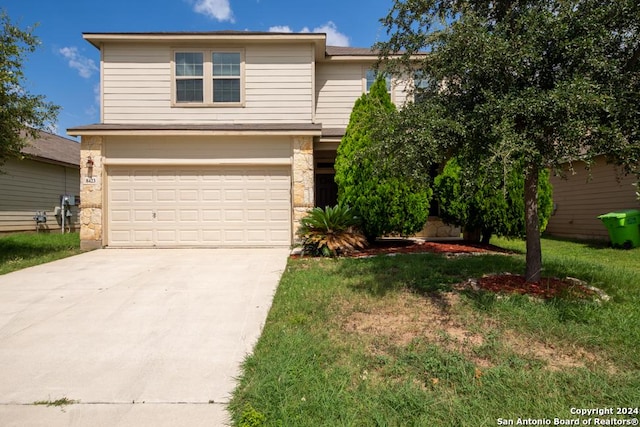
(486, 236)
(473, 235)
(532, 224)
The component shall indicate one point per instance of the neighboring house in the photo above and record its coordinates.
(215, 138)
(50, 168)
(582, 197)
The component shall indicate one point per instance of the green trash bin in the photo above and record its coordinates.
(624, 228)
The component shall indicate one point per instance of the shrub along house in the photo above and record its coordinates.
(49, 169)
(215, 138)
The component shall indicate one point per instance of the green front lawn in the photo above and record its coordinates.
(18, 251)
(388, 341)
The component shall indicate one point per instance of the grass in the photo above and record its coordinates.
(388, 341)
(18, 251)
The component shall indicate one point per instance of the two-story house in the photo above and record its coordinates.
(215, 138)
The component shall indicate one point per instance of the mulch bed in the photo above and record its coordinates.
(546, 288)
(385, 247)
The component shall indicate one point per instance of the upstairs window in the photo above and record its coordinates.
(189, 77)
(226, 76)
(420, 84)
(206, 78)
(370, 77)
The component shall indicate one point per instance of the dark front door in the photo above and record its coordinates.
(326, 190)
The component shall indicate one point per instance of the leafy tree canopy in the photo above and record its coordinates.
(530, 82)
(20, 111)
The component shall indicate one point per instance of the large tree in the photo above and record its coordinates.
(21, 113)
(530, 82)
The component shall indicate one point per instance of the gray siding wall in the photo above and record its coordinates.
(27, 186)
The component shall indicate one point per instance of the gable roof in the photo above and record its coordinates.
(50, 148)
(200, 37)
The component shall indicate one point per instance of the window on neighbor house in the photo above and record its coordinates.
(208, 77)
(370, 77)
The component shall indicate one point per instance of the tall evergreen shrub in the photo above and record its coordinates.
(386, 203)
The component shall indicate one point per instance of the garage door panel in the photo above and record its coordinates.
(279, 237)
(166, 237)
(188, 196)
(142, 236)
(259, 215)
(211, 215)
(189, 236)
(121, 196)
(233, 195)
(189, 215)
(233, 237)
(120, 215)
(257, 195)
(255, 236)
(142, 195)
(166, 215)
(211, 195)
(141, 176)
(199, 206)
(212, 236)
(143, 215)
(166, 176)
(279, 215)
(279, 195)
(233, 215)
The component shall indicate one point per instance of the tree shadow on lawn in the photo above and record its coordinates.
(432, 275)
(422, 273)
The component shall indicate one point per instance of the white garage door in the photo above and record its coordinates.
(213, 206)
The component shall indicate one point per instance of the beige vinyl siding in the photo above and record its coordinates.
(339, 85)
(579, 200)
(28, 186)
(137, 85)
(195, 150)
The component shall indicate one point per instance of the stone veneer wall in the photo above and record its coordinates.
(303, 181)
(91, 193)
(436, 228)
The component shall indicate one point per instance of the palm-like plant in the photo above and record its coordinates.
(331, 231)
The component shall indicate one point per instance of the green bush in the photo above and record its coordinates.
(486, 202)
(330, 231)
(386, 203)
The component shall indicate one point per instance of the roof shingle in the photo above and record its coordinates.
(53, 148)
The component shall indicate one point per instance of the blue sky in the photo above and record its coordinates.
(65, 68)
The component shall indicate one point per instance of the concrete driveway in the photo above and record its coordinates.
(137, 337)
